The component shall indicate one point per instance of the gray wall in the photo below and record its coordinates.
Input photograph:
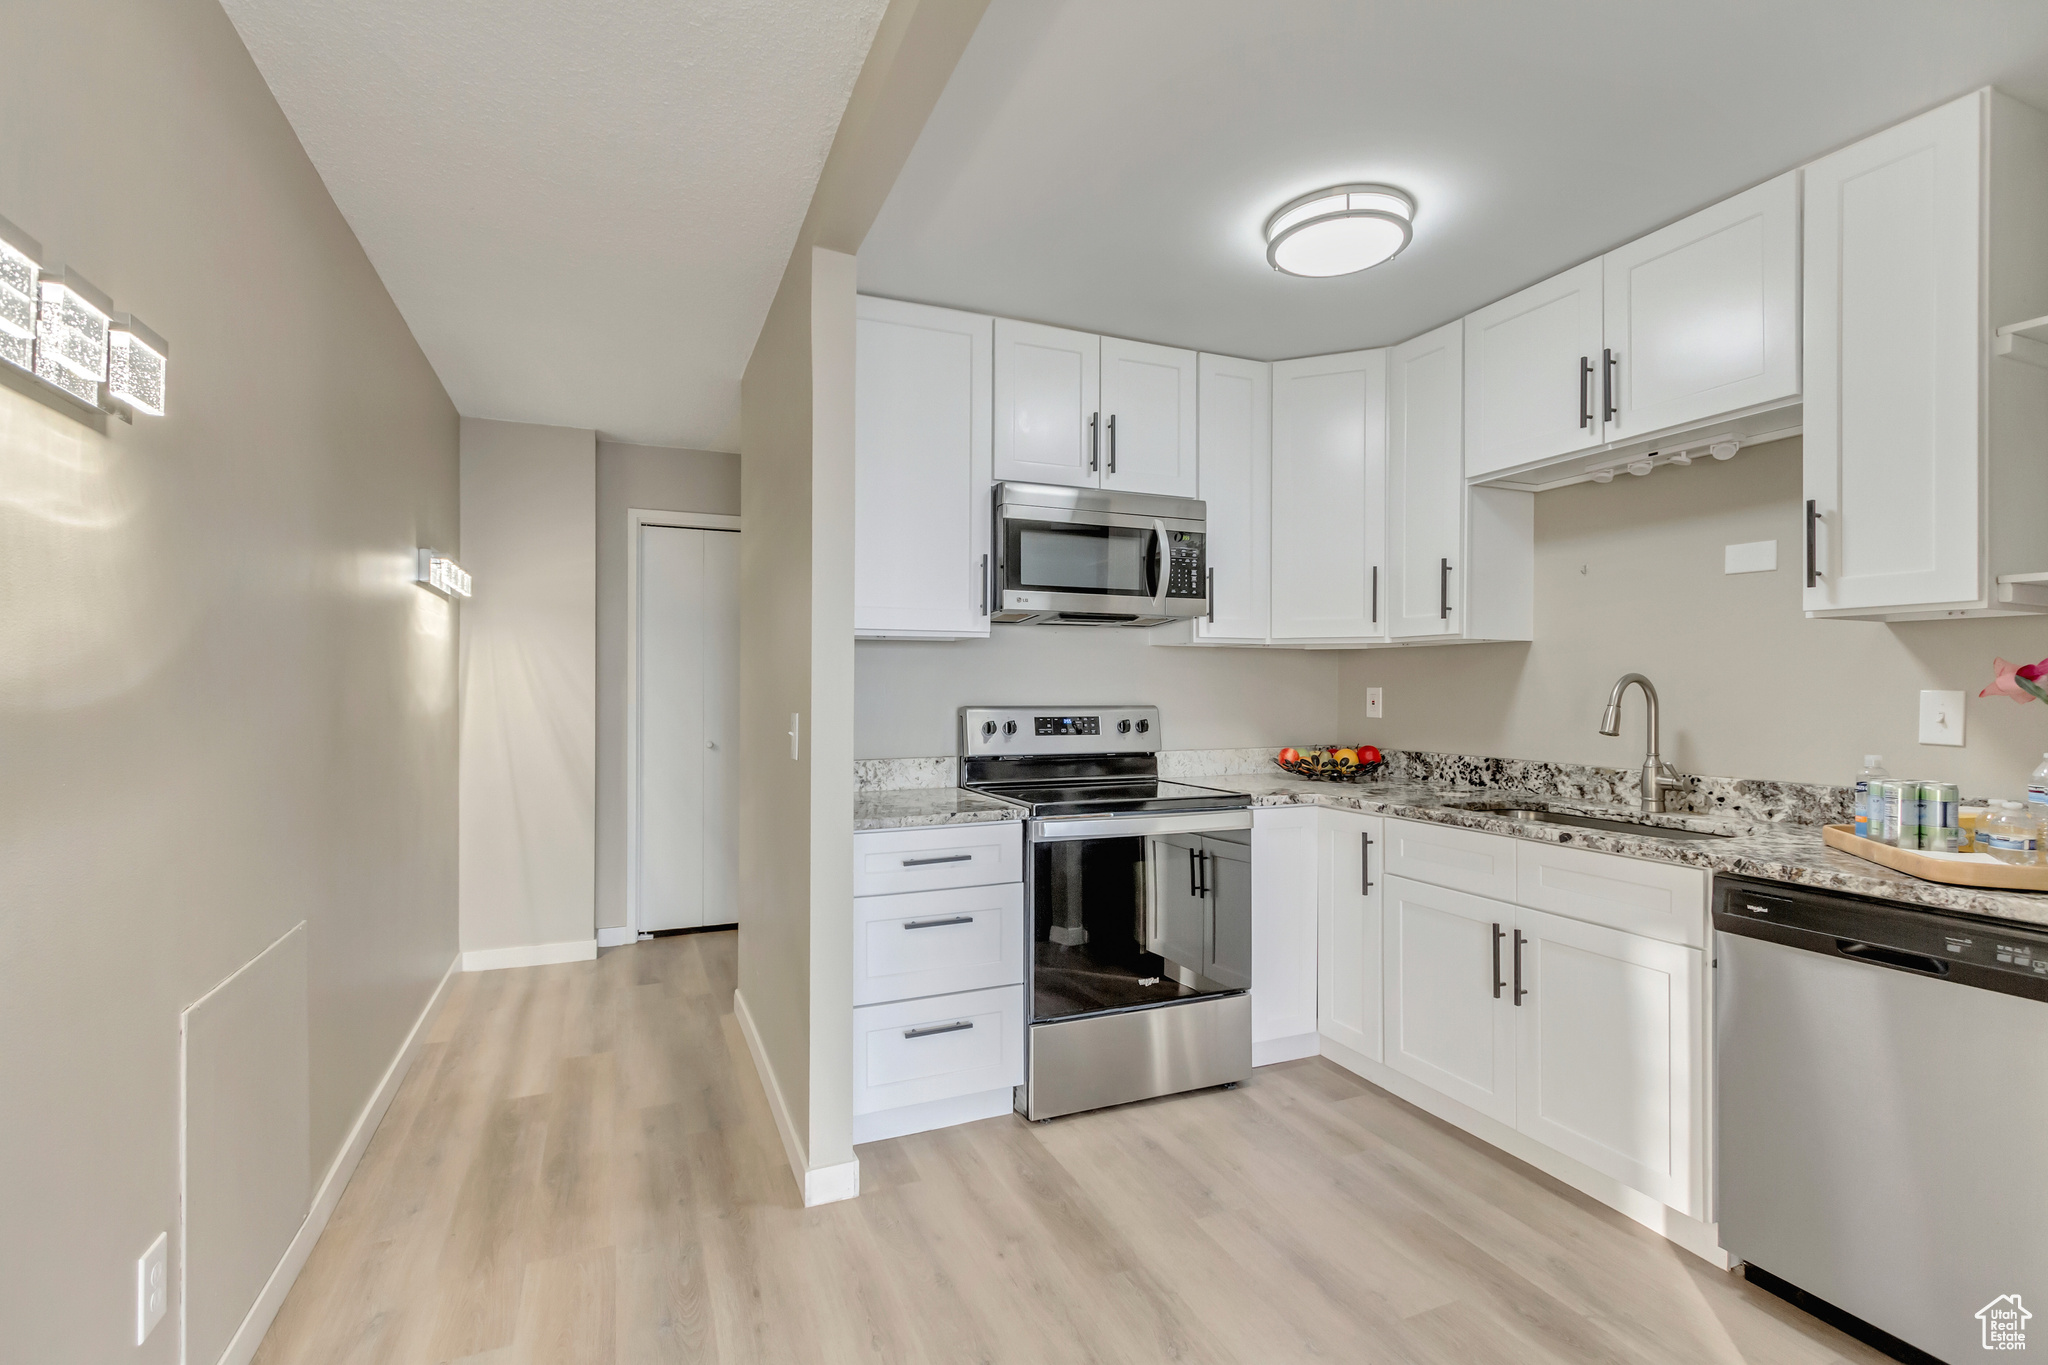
(908, 690)
(661, 479)
(1629, 577)
(224, 708)
(529, 685)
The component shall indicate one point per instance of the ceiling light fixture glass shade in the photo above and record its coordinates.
(1339, 231)
(19, 254)
(136, 361)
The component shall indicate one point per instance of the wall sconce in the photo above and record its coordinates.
(438, 573)
(56, 326)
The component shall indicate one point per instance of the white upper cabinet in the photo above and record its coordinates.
(1703, 316)
(1923, 452)
(1532, 374)
(1329, 470)
(1236, 481)
(1425, 484)
(1048, 384)
(1148, 418)
(921, 455)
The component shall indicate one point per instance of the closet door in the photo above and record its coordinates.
(1235, 445)
(1048, 408)
(1329, 472)
(1426, 484)
(1148, 418)
(1532, 374)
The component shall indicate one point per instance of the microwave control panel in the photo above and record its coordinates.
(1186, 573)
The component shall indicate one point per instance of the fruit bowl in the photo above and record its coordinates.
(1332, 763)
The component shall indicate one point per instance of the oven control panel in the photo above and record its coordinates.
(1023, 731)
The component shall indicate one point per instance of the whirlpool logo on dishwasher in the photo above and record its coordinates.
(2005, 1323)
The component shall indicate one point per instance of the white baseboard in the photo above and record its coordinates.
(1267, 1051)
(826, 1184)
(1701, 1239)
(529, 955)
(922, 1118)
(615, 936)
(242, 1348)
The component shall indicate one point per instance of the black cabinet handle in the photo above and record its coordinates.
(1585, 392)
(1112, 443)
(934, 1030)
(1212, 597)
(1519, 992)
(937, 923)
(1094, 441)
(948, 858)
(1375, 594)
(1610, 363)
(1498, 984)
(1365, 863)
(984, 585)
(1812, 559)
(1443, 590)
(1202, 861)
(1194, 886)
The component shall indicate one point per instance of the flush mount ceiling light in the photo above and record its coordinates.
(1339, 231)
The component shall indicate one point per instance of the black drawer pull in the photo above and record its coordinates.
(937, 923)
(934, 1030)
(949, 858)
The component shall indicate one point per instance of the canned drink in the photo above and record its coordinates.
(1940, 817)
(1884, 811)
(1901, 814)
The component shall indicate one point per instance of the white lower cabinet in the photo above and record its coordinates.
(917, 1051)
(932, 942)
(1284, 953)
(1351, 886)
(1607, 1072)
(1450, 1018)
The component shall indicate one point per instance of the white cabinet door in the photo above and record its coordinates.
(1226, 906)
(1426, 484)
(1532, 374)
(1235, 443)
(1611, 1065)
(916, 1051)
(1148, 418)
(1284, 877)
(1179, 930)
(921, 470)
(1348, 931)
(1703, 316)
(1893, 348)
(1329, 469)
(1048, 383)
(1450, 1022)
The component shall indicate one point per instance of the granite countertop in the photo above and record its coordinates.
(1767, 850)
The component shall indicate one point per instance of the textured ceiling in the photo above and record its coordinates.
(1108, 164)
(582, 210)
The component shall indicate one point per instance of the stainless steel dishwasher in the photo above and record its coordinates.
(1883, 1102)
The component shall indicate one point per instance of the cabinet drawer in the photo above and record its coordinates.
(1444, 855)
(1656, 900)
(886, 861)
(937, 942)
(920, 1050)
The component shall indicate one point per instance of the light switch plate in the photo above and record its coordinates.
(1758, 556)
(1372, 703)
(152, 1287)
(1941, 718)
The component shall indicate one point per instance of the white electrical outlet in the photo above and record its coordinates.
(1372, 703)
(1941, 718)
(152, 1287)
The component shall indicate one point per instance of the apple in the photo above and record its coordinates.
(1290, 756)
(1368, 754)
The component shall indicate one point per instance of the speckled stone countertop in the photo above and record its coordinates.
(1767, 850)
(1777, 851)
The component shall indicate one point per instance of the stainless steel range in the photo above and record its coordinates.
(1140, 896)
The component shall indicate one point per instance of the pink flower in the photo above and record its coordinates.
(2021, 682)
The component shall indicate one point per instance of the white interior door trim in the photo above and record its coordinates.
(637, 517)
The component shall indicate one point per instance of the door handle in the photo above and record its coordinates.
(1610, 365)
(1585, 392)
(948, 858)
(1498, 984)
(1519, 992)
(934, 1030)
(937, 923)
(1812, 559)
(1112, 443)
(1364, 863)
(984, 585)
(1443, 590)
(1094, 441)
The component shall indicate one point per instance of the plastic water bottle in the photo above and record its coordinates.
(2037, 790)
(1874, 773)
(2011, 836)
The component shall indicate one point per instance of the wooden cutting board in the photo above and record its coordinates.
(1953, 869)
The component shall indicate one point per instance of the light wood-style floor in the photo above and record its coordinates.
(582, 1168)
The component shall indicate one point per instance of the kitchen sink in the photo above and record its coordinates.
(1537, 815)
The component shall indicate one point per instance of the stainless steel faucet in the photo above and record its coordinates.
(1658, 777)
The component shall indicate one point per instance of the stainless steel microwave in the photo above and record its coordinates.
(1092, 557)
